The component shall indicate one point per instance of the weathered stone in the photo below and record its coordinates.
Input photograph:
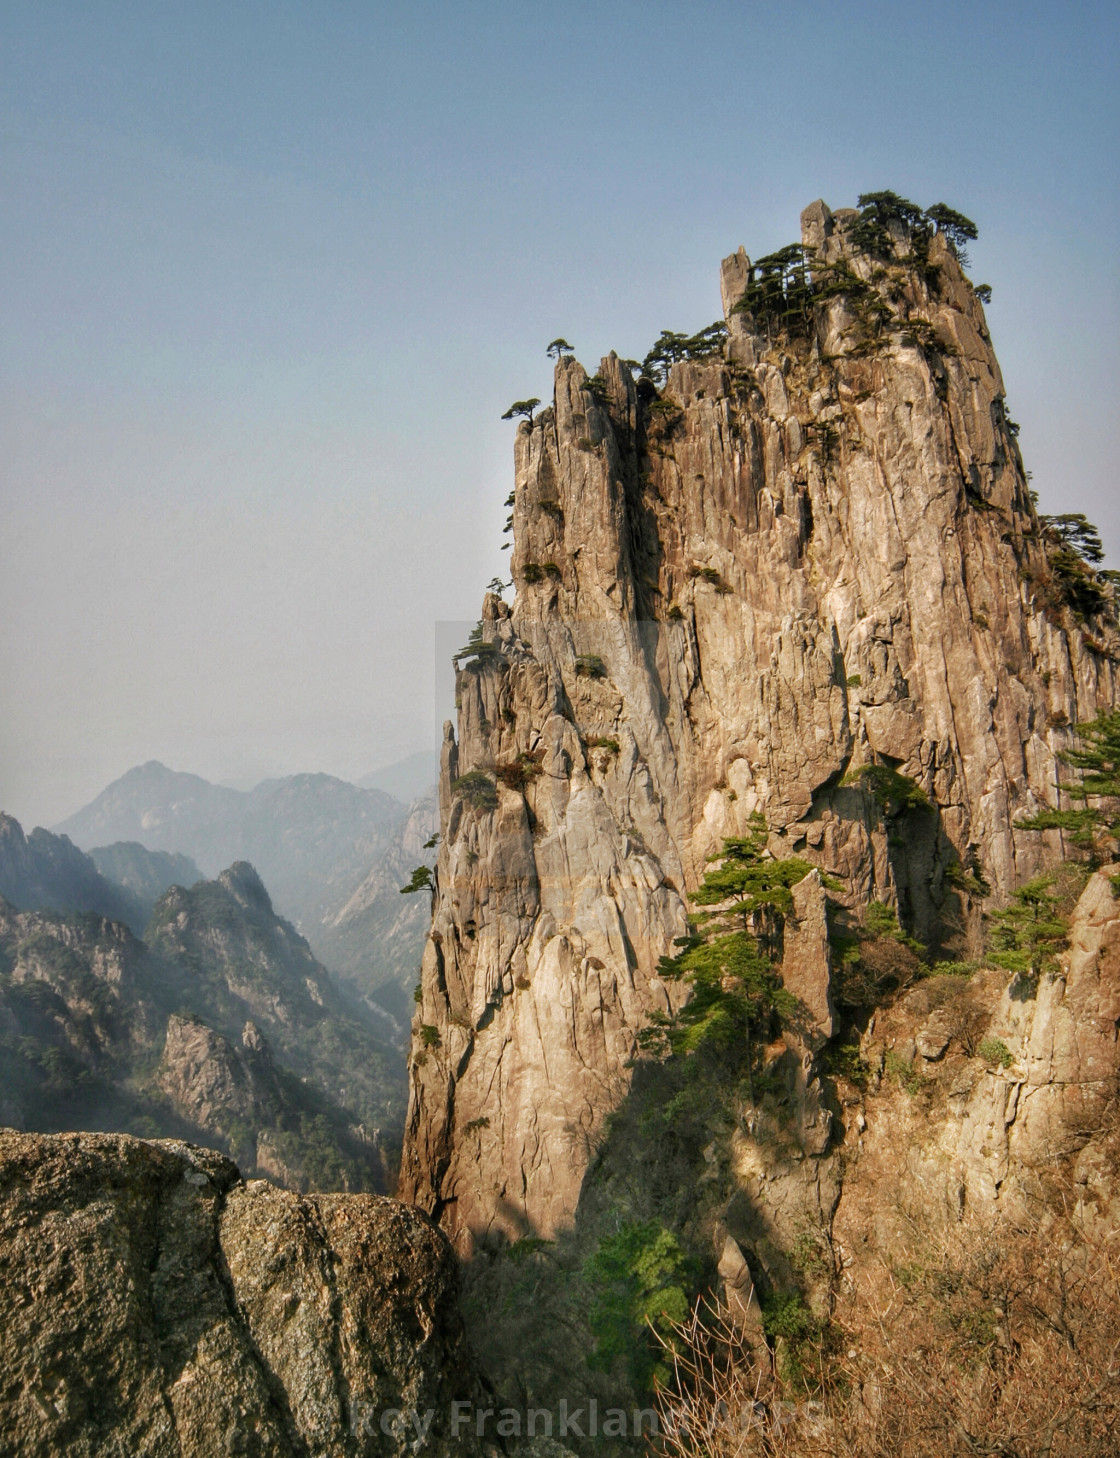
(933, 1038)
(152, 1304)
(806, 960)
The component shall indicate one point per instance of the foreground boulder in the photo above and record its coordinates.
(152, 1302)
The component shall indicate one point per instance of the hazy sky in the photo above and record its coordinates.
(272, 272)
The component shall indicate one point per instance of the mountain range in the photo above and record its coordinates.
(332, 854)
(219, 1024)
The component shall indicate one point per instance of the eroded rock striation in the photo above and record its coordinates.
(798, 560)
(153, 1303)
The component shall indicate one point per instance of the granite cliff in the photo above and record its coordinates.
(799, 574)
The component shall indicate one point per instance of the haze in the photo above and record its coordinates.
(272, 273)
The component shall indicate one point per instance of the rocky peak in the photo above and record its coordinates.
(246, 887)
(800, 575)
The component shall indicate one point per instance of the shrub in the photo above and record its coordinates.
(967, 879)
(521, 771)
(903, 1073)
(894, 793)
(590, 665)
(429, 1035)
(477, 789)
(995, 1050)
(603, 742)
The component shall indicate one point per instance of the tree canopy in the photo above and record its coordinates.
(672, 347)
(1094, 829)
(728, 955)
(522, 408)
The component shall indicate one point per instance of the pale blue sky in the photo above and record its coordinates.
(273, 271)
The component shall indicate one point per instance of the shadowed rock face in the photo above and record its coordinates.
(807, 557)
(153, 1303)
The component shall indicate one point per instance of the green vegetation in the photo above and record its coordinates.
(672, 347)
(1094, 829)
(903, 1072)
(710, 575)
(995, 1050)
(557, 348)
(590, 665)
(477, 789)
(1028, 933)
(784, 288)
(523, 409)
(969, 879)
(1074, 552)
(480, 653)
(894, 793)
(521, 772)
(421, 881)
(640, 1283)
(598, 388)
(429, 1035)
(538, 571)
(872, 959)
(728, 956)
(603, 742)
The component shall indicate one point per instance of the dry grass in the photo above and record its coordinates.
(983, 1340)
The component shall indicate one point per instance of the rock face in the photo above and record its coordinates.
(1014, 1085)
(800, 560)
(152, 1303)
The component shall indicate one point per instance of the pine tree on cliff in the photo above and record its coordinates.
(728, 956)
(1094, 829)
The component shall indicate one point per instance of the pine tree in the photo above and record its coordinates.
(1094, 829)
(1029, 932)
(728, 956)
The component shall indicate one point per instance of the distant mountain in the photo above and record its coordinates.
(222, 1027)
(248, 963)
(408, 779)
(373, 939)
(45, 872)
(145, 873)
(312, 837)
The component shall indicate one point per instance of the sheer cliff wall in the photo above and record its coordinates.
(801, 557)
